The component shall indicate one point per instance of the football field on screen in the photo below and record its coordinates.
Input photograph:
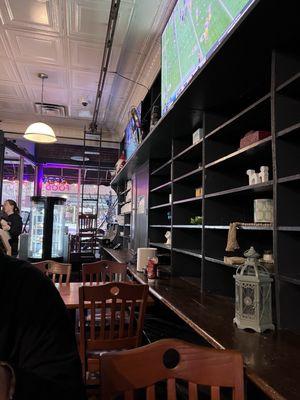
(195, 26)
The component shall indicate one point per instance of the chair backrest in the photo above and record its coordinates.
(171, 359)
(87, 222)
(57, 272)
(42, 266)
(119, 322)
(103, 271)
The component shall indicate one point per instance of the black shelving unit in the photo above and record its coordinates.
(258, 90)
(152, 99)
(124, 237)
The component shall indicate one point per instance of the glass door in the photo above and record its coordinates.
(11, 172)
(36, 233)
(27, 191)
(63, 182)
(58, 230)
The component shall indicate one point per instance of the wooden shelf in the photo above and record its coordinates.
(256, 228)
(291, 129)
(289, 228)
(191, 226)
(290, 178)
(159, 169)
(221, 262)
(245, 228)
(260, 187)
(189, 200)
(189, 152)
(239, 115)
(189, 174)
(160, 226)
(165, 187)
(295, 280)
(161, 245)
(291, 83)
(261, 146)
(193, 253)
(160, 206)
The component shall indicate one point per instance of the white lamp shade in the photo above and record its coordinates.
(40, 133)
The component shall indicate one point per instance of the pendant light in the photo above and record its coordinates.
(40, 132)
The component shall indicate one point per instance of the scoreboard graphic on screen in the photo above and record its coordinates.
(194, 31)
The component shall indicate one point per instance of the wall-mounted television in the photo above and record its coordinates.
(194, 31)
(133, 132)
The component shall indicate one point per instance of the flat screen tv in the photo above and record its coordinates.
(133, 132)
(194, 31)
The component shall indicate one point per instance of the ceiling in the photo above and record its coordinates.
(65, 39)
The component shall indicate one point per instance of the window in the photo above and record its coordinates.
(11, 174)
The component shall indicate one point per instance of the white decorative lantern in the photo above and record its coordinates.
(253, 297)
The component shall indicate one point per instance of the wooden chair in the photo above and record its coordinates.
(57, 271)
(87, 222)
(87, 231)
(103, 271)
(171, 359)
(121, 308)
(42, 266)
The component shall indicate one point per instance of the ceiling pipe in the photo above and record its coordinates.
(112, 22)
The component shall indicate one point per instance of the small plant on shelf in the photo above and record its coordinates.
(197, 220)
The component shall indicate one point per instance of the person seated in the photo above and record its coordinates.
(13, 224)
(38, 352)
(5, 237)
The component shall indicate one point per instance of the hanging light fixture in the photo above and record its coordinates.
(40, 132)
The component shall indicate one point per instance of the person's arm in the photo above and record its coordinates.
(15, 225)
(7, 381)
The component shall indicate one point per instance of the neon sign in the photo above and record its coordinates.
(56, 184)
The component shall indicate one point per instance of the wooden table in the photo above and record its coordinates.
(272, 359)
(70, 294)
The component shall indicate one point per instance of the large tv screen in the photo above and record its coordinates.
(133, 133)
(194, 31)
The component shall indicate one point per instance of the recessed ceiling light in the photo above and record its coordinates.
(79, 158)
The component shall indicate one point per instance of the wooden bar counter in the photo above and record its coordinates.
(272, 359)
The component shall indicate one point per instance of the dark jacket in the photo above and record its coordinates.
(36, 336)
(15, 222)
